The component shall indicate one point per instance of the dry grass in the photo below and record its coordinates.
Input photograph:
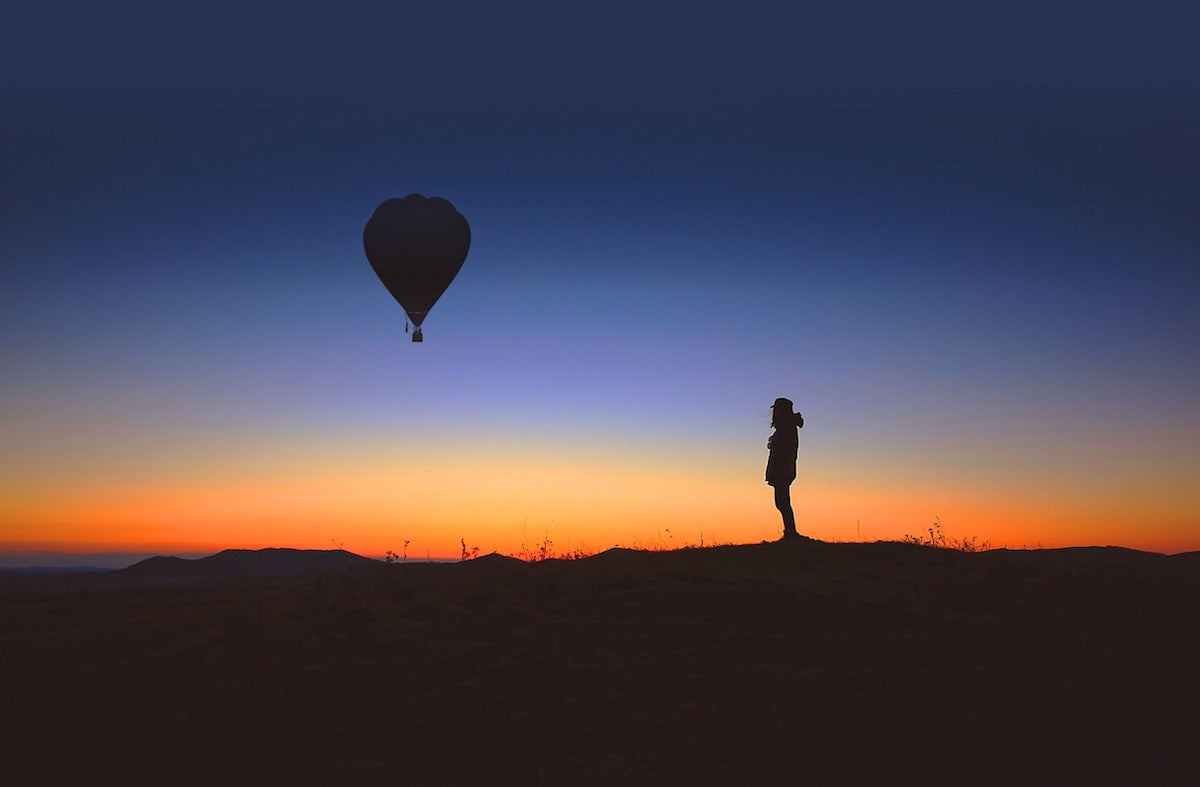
(936, 537)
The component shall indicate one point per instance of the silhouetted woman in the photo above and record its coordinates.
(781, 464)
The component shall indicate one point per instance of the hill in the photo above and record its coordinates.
(757, 664)
(243, 564)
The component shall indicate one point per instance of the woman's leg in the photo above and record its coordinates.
(783, 501)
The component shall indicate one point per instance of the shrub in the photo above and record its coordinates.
(936, 537)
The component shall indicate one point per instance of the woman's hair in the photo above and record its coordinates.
(781, 407)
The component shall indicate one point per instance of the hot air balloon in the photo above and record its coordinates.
(416, 246)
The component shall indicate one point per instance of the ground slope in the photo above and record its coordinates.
(760, 664)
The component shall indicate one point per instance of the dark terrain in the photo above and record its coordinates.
(761, 664)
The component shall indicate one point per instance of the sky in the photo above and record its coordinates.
(967, 251)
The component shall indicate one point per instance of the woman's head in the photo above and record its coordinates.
(781, 411)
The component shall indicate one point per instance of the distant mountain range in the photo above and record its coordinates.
(54, 570)
(242, 565)
(247, 564)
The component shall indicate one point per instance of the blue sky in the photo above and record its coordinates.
(974, 273)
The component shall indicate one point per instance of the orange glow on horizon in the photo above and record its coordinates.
(515, 503)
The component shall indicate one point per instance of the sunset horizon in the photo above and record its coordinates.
(983, 302)
(974, 273)
(636, 393)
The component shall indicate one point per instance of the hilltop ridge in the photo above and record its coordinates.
(235, 564)
(771, 663)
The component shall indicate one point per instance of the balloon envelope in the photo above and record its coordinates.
(416, 246)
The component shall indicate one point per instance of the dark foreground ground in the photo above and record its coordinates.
(763, 664)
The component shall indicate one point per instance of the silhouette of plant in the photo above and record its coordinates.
(538, 552)
(545, 551)
(665, 542)
(468, 554)
(391, 557)
(541, 551)
(938, 539)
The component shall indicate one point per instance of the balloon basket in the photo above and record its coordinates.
(417, 335)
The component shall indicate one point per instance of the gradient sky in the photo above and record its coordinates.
(977, 277)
